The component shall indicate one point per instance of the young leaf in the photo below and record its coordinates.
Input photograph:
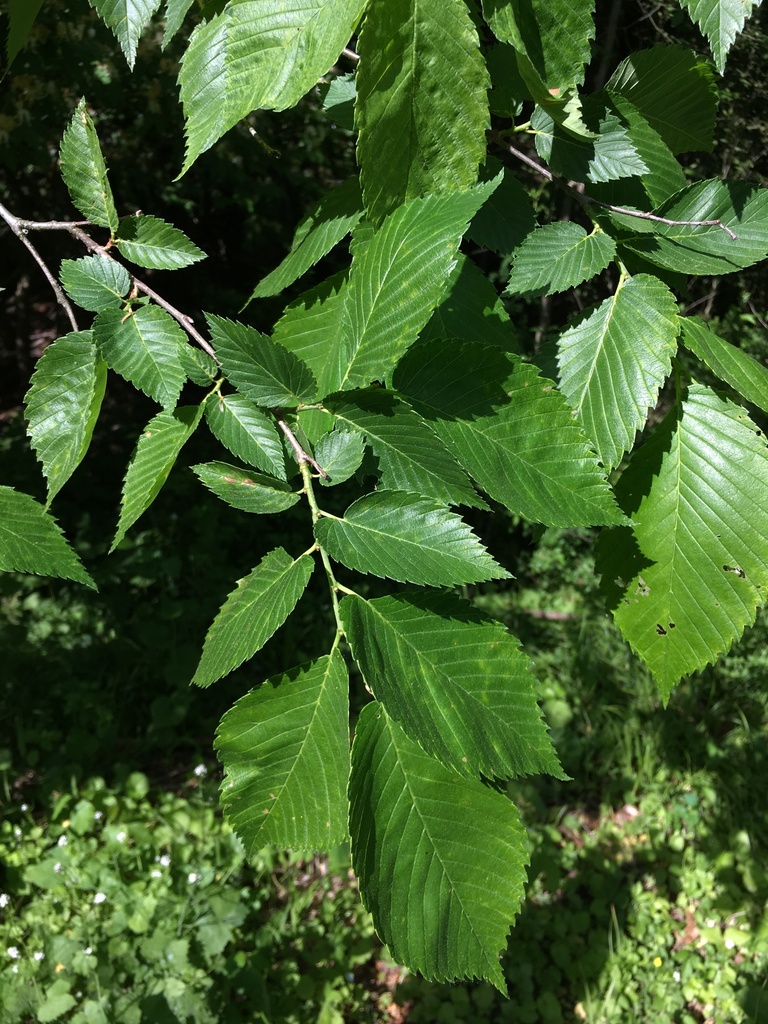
(557, 257)
(688, 577)
(156, 452)
(411, 458)
(153, 243)
(333, 218)
(285, 751)
(674, 90)
(84, 171)
(255, 609)
(250, 492)
(175, 12)
(397, 278)
(440, 858)
(729, 363)
(95, 283)
(127, 19)
(260, 368)
(62, 405)
(720, 21)
(454, 680)
(198, 366)
(257, 56)
(615, 360)
(247, 432)
(144, 347)
(421, 107)
(340, 453)
(32, 541)
(511, 430)
(405, 537)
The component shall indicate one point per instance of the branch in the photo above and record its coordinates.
(351, 54)
(586, 201)
(301, 455)
(19, 228)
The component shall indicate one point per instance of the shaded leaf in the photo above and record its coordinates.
(285, 751)
(471, 310)
(250, 492)
(559, 256)
(175, 12)
(256, 609)
(247, 432)
(32, 541)
(94, 282)
(153, 243)
(21, 18)
(505, 218)
(340, 453)
(729, 363)
(84, 171)
(339, 100)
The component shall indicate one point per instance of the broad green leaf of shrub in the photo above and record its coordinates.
(127, 19)
(421, 107)
(506, 217)
(454, 680)
(259, 367)
(153, 243)
(144, 347)
(255, 609)
(247, 432)
(440, 858)
(511, 430)
(153, 459)
(696, 249)
(21, 18)
(687, 578)
(334, 217)
(256, 55)
(558, 256)
(554, 35)
(95, 283)
(84, 171)
(612, 154)
(397, 279)
(285, 751)
(720, 21)
(58, 1000)
(175, 12)
(32, 541)
(338, 97)
(748, 377)
(62, 405)
(250, 492)
(408, 538)
(472, 310)
(411, 457)
(614, 361)
(340, 452)
(674, 90)
(198, 366)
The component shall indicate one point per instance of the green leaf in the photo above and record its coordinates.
(285, 751)
(260, 368)
(511, 430)
(505, 218)
(312, 328)
(471, 310)
(258, 56)
(153, 243)
(674, 90)
(720, 21)
(696, 249)
(95, 283)
(340, 453)
(558, 256)
(398, 277)
(338, 98)
(333, 218)
(454, 680)
(127, 19)
(58, 1000)
(31, 540)
(411, 458)
(144, 347)
(62, 405)
(21, 15)
(440, 858)
(255, 609)
(421, 107)
(250, 492)
(614, 361)
(175, 12)
(408, 538)
(84, 171)
(729, 363)
(153, 459)
(688, 577)
(198, 366)
(555, 35)
(247, 432)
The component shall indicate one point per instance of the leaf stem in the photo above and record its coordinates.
(333, 586)
(301, 456)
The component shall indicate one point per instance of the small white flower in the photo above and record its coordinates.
(17, 832)
(25, 807)
(711, 922)
(5, 899)
(98, 815)
(676, 975)
(57, 866)
(201, 771)
(13, 953)
(99, 897)
(729, 943)
(62, 841)
(87, 950)
(39, 955)
(156, 873)
(15, 968)
(165, 860)
(121, 836)
(192, 877)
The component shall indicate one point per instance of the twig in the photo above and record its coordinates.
(351, 54)
(301, 455)
(19, 228)
(585, 200)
